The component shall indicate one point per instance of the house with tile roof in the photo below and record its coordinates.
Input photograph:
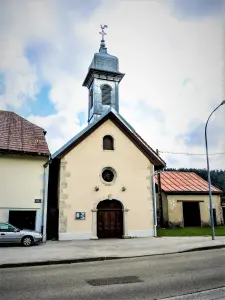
(184, 199)
(23, 153)
(100, 182)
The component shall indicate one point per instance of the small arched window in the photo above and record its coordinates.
(108, 142)
(106, 94)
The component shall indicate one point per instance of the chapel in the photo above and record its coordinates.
(100, 182)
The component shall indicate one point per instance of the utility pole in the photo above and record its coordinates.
(160, 223)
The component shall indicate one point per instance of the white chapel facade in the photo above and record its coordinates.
(100, 181)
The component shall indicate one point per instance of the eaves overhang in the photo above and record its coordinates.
(197, 193)
(21, 152)
(101, 74)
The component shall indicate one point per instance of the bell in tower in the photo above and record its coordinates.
(102, 81)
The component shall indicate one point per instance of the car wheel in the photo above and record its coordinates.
(27, 241)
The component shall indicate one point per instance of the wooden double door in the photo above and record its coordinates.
(110, 219)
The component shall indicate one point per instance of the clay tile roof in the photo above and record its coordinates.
(20, 135)
(184, 182)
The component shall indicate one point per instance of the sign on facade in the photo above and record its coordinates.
(80, 215)
(37, 200)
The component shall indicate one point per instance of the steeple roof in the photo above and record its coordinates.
(102, 60)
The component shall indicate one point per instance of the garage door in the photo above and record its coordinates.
(23, 219)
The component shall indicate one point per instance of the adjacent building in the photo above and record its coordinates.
(23, 153)
(184, 199)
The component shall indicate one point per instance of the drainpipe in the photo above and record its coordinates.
(154, 201)
(44, 202)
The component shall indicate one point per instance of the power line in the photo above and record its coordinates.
(186, 153)
(168, 152)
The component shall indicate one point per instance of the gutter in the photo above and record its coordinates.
(48, 162)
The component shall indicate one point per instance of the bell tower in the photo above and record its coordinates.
(102, 81)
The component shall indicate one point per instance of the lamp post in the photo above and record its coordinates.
(208, 170)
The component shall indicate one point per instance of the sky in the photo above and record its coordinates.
(171, 51)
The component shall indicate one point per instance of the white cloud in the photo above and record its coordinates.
(172, 66)
(19, 24)
(158, 53)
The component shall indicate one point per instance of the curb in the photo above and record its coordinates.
(203, 248)
(57, 262)
(102, 258)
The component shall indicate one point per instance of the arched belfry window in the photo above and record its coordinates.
(91, 99)
(108, 142)
(106, 94)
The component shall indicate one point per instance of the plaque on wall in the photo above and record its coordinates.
(37, 200)
(80, 215)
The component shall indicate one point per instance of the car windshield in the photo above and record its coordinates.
(14, 227)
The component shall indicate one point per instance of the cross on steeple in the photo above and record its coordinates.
(103, 33)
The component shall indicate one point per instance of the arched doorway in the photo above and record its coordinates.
(110, 219)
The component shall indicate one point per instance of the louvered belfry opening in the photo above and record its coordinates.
(108, 142)
(91, 99)
(106, 94)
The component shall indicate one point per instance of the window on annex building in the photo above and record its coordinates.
(108, 142)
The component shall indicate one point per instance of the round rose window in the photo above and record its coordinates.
(108, 175)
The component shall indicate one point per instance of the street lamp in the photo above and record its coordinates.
(208, 170)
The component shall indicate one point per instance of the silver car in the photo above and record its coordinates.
(11, 234)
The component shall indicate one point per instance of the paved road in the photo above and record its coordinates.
(151, 278)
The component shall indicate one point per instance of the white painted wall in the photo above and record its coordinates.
(21, 182)
(80, 172)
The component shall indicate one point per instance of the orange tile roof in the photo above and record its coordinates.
(20, 135)
(184, 182)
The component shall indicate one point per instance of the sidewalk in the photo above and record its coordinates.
(91, 250)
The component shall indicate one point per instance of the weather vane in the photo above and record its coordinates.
(103, 32)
